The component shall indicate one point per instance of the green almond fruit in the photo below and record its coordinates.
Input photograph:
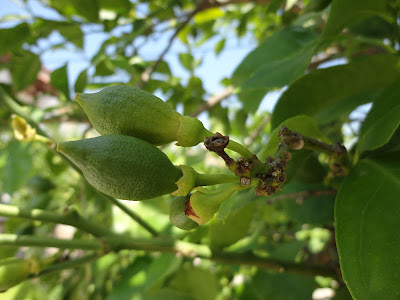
(123, 167)
(177, 214)
(126, 110)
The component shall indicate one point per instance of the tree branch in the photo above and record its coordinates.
(190, 250)
(212, 101)
(298, 141)
(38, 241)
(145, 77)
(302, 195)
(69, 264)
(258, 130)
(71, 218)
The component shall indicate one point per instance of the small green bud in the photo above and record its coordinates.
(191, 132)
(14, 270)
(131, 111)
(123, 167)
(177, 214)
(187, 182)
(204, 203)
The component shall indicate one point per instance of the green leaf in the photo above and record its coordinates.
(119, 6)
(227, 231)
(343, 13)
(187, 61)
(315, 209)
(81, 82)
(367, 219)
(167, 294)
(287, 250)
(89, 9)
(144, 275)
(219, 119)
(17, 168)
(196, 282)
(274, 5)
(322, 88)
(59, 79)
(220, 46)
(268, 285)
(208, 15)
(340, 110)
(302, 124)
(71, 32)
(12, 38)
(24, 69)
(104, 67)
(278, 61)
(382, 120)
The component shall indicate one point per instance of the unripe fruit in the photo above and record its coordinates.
(177, 214)
(123, 167)
(204, 203)
(131, 111)
(14, 270)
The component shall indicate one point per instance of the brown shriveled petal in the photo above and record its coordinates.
(217, 142)
(245, 181)
(189, 210)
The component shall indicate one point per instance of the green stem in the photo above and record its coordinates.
(239, 148)
(212, 179)
(275, 264)
(71, 218)
(37, 241)
(69, 264)
(131, 214)
(169, 245)
(19, 110)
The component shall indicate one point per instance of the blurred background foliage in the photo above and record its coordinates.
(324, 59)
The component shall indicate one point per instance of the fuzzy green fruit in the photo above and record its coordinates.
(177, 214)
(123, 167)
(14, 270)
(126, 110)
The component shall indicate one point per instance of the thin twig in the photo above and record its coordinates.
(302, 195)
(71, 218)
(258, 130)
(149, 70)
(69, 264)
(212, 101)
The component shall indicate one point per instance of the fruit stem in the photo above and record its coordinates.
(212, 179)
(239, 148)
